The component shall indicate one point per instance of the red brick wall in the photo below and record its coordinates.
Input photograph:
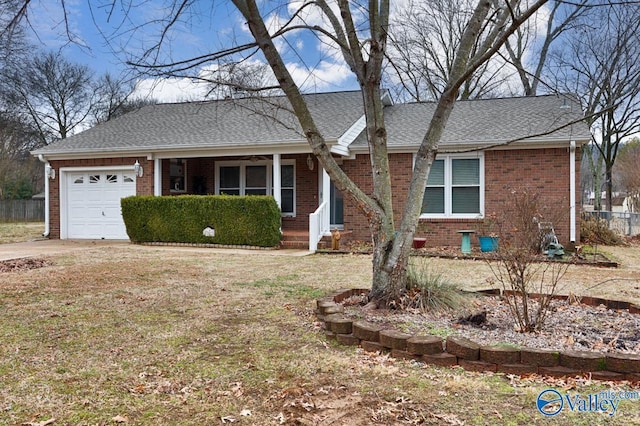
(545, 171)
(306, 184)
(306, 193)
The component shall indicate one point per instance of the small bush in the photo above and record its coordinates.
(597, 231)
(427, 290)
(519, 265)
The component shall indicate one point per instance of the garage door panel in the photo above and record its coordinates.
(93, 200)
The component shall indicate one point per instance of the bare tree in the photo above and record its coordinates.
(114, 97)
(424, 41)
(628, 173)
(359, 34)
(485, 32)
(12, 37)
(55, 94)
(528, 50)
(601, 64)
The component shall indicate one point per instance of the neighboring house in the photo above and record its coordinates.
(250, 146)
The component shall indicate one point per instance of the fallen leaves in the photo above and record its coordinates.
(41, 423)
(23, 264)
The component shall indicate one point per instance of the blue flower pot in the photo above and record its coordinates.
(488, 244)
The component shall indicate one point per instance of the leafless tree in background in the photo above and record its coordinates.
(600, 63)
(424, 40)
(627, 173)
(529, 48)
(358, 32)
(55, 94)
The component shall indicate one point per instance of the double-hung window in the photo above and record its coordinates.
(455, 187)
(256, 178)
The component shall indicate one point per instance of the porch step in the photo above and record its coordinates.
(300, 240)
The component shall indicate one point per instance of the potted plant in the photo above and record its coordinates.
(487, 233)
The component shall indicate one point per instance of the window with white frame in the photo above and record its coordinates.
(455, 187)
(256, 178)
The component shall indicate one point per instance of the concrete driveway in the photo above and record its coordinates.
(51, 247)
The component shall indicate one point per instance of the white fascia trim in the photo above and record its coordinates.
(344, 141)
(470, 148)
(386, 98)
(184, 152)
(97, 168)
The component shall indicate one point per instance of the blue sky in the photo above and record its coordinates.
(105, 37)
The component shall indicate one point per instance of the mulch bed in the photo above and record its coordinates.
(23, 264)
(448, 252)
(569, 325)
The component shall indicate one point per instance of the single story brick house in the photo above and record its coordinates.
(250, 146)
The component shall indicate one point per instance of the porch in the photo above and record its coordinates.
(309, 202)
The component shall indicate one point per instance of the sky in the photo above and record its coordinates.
(105, 36)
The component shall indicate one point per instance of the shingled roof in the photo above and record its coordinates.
(233, 123)
(487, 122)
(249, 124)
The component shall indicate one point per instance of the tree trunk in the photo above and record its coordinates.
(609, 188)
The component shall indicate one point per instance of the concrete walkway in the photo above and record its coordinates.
(43, 247)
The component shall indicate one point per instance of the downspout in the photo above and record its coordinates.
(46, 195)
(572, 191)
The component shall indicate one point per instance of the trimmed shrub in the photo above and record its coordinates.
(250, 220)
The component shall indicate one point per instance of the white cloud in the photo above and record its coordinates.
(327, 75)
(170, 89)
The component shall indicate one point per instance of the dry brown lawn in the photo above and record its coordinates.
(20, 231)
(172, 336)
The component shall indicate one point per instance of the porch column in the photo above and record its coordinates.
(277, 180)
(157, 177)
(326, 187)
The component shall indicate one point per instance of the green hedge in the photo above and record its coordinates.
(250, 220)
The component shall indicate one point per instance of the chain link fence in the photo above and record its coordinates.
(623, 223)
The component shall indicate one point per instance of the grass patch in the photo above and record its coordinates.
(289, 285)
(163, 336)
(430, 290)
(20, 231)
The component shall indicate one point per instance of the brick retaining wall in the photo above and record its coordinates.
(456, 350)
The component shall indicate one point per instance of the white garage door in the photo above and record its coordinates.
(93, 203)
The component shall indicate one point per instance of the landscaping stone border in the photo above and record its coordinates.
(473, 356)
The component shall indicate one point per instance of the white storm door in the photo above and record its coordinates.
(93, 203)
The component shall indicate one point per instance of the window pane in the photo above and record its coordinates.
(436, 174)
(230, 177)
(465, 200)
(433, 201)
(287, 201)
(229, 191)
(287, 178)
(466, 171)
(256, 176)
(255, 191)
